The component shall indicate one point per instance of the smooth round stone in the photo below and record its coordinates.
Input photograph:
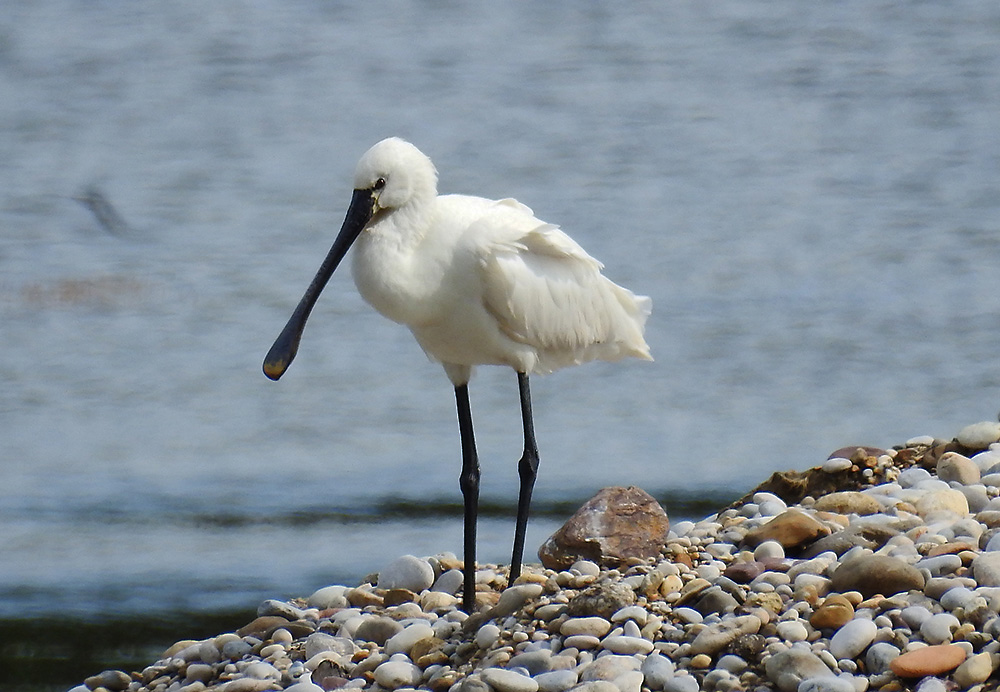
(328, 597)
(853, 638)
(835, 612)
(827, 684)
(556, 680)
(732, 664)
(407, 572)
(937, 628)
(716, 637)
(657, 669)
(958, 468)
(879, 656)
(581, 641)
(872, 574)
(688, 615)
(609, 667)
(592, 626)
(397, 673)
(449, 582)
(534, 662)
(941, 565)
(402, 642)
(912, 476)
(637, 614)
(837, 464)
(503, 680)
(768, 549)
(915, 616)
(487, 636)
(513, 599)
(236, 649)
(304, 685)
(975, 670)
(586, 567)
(377, 629)
(945, 500)
(848, 502)
(275, 607)
(596, 686)
(979, 435)
(627, 645)
(318, 642)
(682, 683)
(261, 670)
(792, 631)
(200, 672)
(928, 660)
(986, 569)
(788, 668)
(958, 597)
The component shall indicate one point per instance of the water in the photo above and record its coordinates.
(809, 193)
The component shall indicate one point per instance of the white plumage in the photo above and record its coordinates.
(478, 282)
(484, 282)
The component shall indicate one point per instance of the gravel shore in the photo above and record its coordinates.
(878, 570)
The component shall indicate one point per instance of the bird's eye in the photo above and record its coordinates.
(379, 184)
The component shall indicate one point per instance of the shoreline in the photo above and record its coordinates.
(875, 571)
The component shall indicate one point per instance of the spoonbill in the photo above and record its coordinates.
(478, 282)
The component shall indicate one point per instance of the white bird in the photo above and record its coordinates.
(478, 282)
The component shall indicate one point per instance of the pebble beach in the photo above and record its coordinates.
(875, 570)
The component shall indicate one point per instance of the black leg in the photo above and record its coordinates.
(469, 482)
(527, 469)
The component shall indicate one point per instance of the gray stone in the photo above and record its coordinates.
(788, 668)
(503, 680)
(715, 638)
(556, 680)
(879, 656)
(513, 599)
(986, 569)
(682, 683)
(402, 642)
(397, 673)
(979, 435)
(657, 669)
(449, 582)
(609, 667)
(829, 684)
(955, 467)
(853, 638)
(377, 629)
(407, 572)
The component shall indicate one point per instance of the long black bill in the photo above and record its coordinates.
(287, 344)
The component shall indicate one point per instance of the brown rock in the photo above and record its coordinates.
(877, 574)
(263, 626)
(930, 660)
(835, 612)
(951, 548)
(956, 467)
(848, 502)
(601, 599)
(857, 454)
(613, 526)
(792, 529)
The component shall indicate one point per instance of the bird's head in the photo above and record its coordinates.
(392, 175)
(396, 174)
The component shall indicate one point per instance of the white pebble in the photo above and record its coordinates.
(407, 572)
(853, 638)
(503, 680)
(487, 636)
(397, 673)
(937, 628)
(837, 464)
